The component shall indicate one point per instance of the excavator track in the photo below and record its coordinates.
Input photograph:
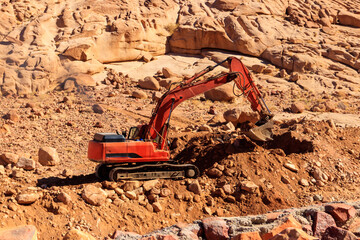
(146, 171)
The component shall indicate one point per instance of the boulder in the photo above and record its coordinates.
(131, 185)
(25, 232)
(348, 18)
(64, 198)
(165, 192)
(303, 182)
(247, 236)
(195, 187)
(81, 80)
(121, 235)
(293, 234)
(26, 163)
(249, 186)
(249, 116)
(288, 222)
(131, 195)
(214, 173)
(223, 93)
(341, 212)
(232, 115)
(157, 207)
(225, 5)
(139, 94)
(80, 52)
(98, 109)
(48, 156)
(27, 198)
(215, 228)
(168, 73)
(75, 234)
(334, 232)
(297, 107)
(291, 167)
(147, 57)
(94, 195)
(149, 83)
(321, 222)
(9, 158)
(12, 116)
(148, 185)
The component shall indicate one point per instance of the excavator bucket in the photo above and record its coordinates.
(261, 133)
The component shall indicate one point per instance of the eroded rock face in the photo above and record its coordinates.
(60, 40)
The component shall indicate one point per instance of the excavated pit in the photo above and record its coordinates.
(205, 150)
(290, 142)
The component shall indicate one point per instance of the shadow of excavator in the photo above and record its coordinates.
(69, 181)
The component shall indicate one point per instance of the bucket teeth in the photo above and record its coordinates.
(261, 133)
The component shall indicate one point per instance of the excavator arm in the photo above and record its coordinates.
(159, 123)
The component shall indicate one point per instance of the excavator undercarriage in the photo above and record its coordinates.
(117, 172)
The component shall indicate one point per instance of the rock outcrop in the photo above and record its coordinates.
(58, 40)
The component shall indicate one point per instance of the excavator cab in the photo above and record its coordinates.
(133, 133)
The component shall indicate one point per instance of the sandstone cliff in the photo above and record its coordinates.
(44, 42)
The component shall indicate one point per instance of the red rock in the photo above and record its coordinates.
(249, 186)
(122, 234)
(192, 231)
(270, 217)
(214, 173)
(308, 229)
(195, 187)
(293, 234)
(247, 236)
(322, 222)
(9, 158)
(335, 233)
(26, 232)
(98, 109)
(215, 228)
(297, 107)
(167, 237)
(48, 156)
(354, 226)
(149, 238)
(290, 222)
(341, 212)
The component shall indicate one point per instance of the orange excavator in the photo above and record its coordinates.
(144, 154)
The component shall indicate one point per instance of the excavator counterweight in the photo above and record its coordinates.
(144, 154)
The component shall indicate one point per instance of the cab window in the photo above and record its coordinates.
(133, 133)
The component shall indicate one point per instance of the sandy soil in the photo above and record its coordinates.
(309, 141)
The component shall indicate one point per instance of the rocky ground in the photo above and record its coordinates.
(48, 182)
(69, 69)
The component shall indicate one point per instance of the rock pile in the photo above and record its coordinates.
(326, 222)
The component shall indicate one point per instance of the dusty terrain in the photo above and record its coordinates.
(60, 58)
(66, 121)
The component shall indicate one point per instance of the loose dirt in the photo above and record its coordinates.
(313, 158)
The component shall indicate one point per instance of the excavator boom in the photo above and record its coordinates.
(193, 86)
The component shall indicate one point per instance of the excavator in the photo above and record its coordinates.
(144, 153)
